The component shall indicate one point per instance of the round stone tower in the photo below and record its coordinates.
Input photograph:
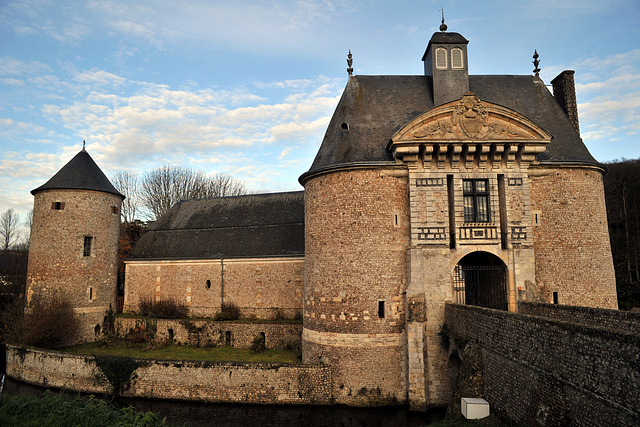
(356, 238)
(74, 242)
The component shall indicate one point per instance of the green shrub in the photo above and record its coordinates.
(258, 343)
(164, 309)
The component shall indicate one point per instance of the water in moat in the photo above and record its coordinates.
(210, 414)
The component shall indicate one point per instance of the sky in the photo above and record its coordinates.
(247, 87)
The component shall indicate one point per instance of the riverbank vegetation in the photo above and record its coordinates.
(51, 410)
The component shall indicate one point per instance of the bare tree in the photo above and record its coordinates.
(8, 229)
(163, 187)
(128, 183)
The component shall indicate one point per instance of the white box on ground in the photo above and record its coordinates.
(474, 408)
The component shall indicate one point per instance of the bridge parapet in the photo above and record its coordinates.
(542, 371)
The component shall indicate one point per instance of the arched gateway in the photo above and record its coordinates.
(480, 279)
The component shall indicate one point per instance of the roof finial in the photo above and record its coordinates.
(536, 63)
(443, 26)
(83, 143)
(350, 63)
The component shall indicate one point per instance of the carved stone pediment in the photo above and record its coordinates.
(470, 133)
(470, 120)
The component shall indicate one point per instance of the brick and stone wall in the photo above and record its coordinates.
(571, 239)
(356, 238)
(263, 287)
(57, 262)
(615, 320)
(539, 371)
(256, 383)
(201, 333)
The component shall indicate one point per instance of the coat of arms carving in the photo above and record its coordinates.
(470, 115)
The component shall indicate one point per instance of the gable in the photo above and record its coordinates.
(471, 120)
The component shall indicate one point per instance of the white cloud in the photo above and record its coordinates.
(10, 66)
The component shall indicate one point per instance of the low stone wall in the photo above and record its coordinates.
(256, 383)
(615, 320)
(539, 371)
(203, 333)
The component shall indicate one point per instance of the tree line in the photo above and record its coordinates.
(622, 193)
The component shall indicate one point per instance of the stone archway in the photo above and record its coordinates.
(480, 278)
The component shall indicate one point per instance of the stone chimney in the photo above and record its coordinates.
(564, 90)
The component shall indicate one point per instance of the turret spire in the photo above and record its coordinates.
(443, 26)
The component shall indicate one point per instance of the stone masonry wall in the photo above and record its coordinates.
(56, 253)
(615, 320)
(256, 383)
(539, 371)
(571, 239)
(356, 240)
(261, 287)
(201, 333)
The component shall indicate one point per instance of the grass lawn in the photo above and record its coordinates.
(119, 347)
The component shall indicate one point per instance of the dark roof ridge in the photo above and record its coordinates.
(229, 227)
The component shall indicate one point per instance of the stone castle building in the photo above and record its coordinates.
(74, 241)
(426, 189)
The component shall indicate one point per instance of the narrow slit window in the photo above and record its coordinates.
(555, 298)
(381, 309)
(90, 294)
(88, 240)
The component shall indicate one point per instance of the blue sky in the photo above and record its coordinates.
(248, 87)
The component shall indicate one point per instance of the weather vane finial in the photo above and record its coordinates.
(443, 26)
(350, 63)
(83, 143)
(536, 62)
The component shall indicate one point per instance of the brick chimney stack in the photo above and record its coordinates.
(564, 90)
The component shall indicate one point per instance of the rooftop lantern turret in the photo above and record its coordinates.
(445, 61)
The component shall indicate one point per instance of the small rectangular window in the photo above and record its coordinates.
(555, 298)
(88, 240)
(381, 309)
(114, 209)
(57, 206)
(476, 200)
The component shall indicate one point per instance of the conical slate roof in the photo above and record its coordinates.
(81, 173)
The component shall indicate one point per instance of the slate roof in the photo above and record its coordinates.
(375, 107)
(80, 173)
(255, 225)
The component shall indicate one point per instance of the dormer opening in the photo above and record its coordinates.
(456, 58)
(441, 58)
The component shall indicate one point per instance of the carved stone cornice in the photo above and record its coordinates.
(469, 134)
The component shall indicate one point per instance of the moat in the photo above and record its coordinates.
(212, 414)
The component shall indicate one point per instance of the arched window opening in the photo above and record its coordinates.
(441, 58)
(480, 278)
(456, 58)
